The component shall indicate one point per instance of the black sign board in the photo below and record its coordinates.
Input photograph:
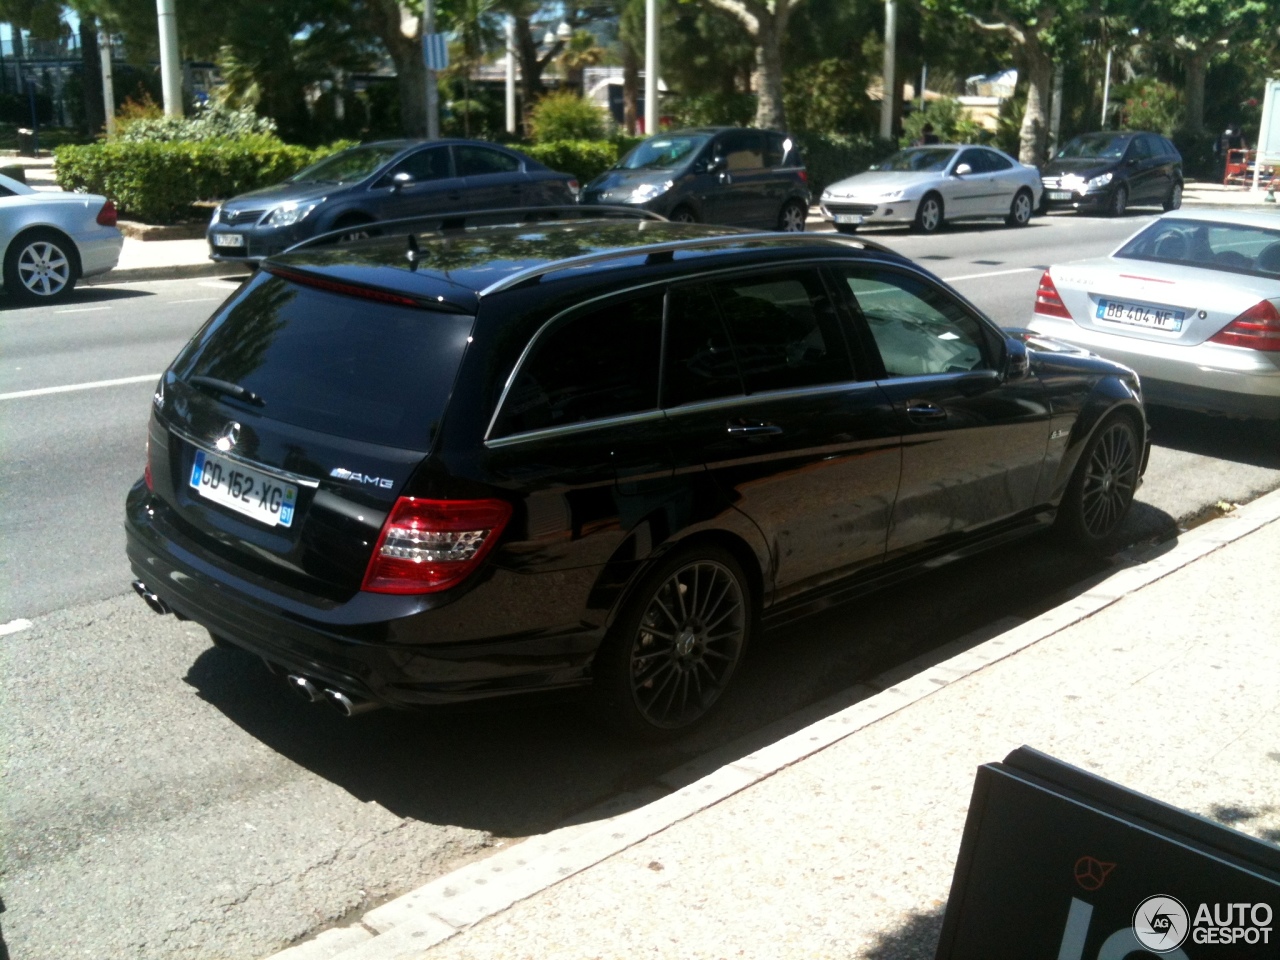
(1058, 864)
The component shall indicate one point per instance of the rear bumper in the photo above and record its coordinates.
(1209, 377)
(100, 252)
(395, 651)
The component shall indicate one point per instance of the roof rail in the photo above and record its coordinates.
(460, 220)
(672, 246)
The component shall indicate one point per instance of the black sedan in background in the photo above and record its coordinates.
(1110, 171)
(382, 181)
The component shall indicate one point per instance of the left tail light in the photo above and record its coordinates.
(107, 215)
(146, 470)
(574, 187)
(1258, 328)
(1048, 301)
(431, 545)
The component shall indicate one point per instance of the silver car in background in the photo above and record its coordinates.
(1191, 302)
(50, 239)
(928, 186)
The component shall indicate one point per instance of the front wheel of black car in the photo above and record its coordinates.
(1102, 488)
(792, 217)
(683, 215)
(676, 645)
(1174, 200)
(1119, 202)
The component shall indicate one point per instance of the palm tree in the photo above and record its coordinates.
(581, 51)
(475, 26)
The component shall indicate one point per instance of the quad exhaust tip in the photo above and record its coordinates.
(349, 706)
(304, 688)
(152, 601)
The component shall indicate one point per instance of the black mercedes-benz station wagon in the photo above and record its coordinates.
(428, 468)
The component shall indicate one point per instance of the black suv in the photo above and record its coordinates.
(1110, 171)
(431, 468)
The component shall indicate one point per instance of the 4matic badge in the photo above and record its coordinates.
(355, 476)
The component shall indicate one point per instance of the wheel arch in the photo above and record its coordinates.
(72, 247)
(1110, 397)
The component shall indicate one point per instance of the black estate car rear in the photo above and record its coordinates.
(423, 469)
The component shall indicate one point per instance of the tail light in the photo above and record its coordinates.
(432, 545)
(146, 471)
(1048, 302)
(1258, 328)
(107, 215)
(574, 187)
(804, 175)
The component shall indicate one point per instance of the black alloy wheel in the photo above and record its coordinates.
(1119, 201)
(355, 229)
(792, 217)
(676, 646)
(1021, 209)
(40, 267)
(682, 215)
(1102, 488)
(929, 214)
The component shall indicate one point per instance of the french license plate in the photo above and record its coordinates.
(245, 491)
(1059, 194)
(849, 218)
(228, 240)
(1134, 314)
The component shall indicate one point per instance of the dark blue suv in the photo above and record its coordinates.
(382, 181)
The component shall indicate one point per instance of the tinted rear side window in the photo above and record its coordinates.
(341, 365)
(598, 364)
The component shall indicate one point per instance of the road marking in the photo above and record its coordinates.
(197, 300)
(993, 273)
(73, 387)
(13, 626)
(82, 310)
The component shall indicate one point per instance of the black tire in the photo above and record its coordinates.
(683, 215)
(1119, 202)
(929, 215)
(676, 645)
(1021, 209)
(846, 227)
(1174, 200)
(357, 228)
(1101, 490)
(41, 266)
(792, 216)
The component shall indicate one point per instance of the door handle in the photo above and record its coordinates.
(752, 428)
(924, 410)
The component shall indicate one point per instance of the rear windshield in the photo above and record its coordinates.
(1234, 247)
(342, 365)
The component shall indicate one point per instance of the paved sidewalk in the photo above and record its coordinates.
(840, 839)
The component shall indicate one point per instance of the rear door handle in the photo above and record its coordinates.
(752, 428)
(924, 410)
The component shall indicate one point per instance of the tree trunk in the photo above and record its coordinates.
(769, 109)
(1031, 137)
(16, 33)
(630, 88)
(91, 66)
(1196, 65)
(411, 79)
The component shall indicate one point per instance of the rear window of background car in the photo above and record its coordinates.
(477, 161)
(1217, 246)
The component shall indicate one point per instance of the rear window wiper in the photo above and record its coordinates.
(227, 388)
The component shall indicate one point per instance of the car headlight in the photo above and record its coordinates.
(1072, 182)
(1097, 183)
(217, 214)
(891, 195)
(647, 191)
(290, 213)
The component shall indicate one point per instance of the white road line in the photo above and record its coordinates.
(197, 300)
(73, 387)
(13, 626)
(82, 310)
(993, 273)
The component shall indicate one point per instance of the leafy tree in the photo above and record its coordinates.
(766, 22)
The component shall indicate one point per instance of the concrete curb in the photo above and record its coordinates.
(408, 926)
(177, 271)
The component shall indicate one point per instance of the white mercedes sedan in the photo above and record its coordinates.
(1191, 302)
(929, 186)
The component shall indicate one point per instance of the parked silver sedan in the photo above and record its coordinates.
(1191, 302)
(49, 240)
(928, 186)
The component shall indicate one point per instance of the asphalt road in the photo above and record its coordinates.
(167, 799)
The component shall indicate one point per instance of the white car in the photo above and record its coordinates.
(928, 186)
(52, 239)
(1191, 302)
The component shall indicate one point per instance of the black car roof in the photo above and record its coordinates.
(460, 267)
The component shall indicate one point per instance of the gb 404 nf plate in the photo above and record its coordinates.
(1138, 315)
(243, 490)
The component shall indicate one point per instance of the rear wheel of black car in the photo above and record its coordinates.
(1174, 200)
(1021, 209)
(676, 645)
(1102, 488)
(928, 214)
(792, 217)
(1119, 202)
(683, 215)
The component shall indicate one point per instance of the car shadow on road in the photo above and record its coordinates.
(1253, 442)
(81, 297)
(514, 771)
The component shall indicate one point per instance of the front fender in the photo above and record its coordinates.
(1110, 394)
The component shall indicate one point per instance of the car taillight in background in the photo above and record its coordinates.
(1258, 328)
(146, 470)
(107, 215)
(432, 545)
(575, 188)
(1048, 302)
(804, 175)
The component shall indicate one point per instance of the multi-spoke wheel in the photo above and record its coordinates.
(1102, 488)
(1119, 201)
(683, 215)
(1174, 200)
(792, 217)
(1020, 210)
(40, 267)
(928, 214)
(676, 646)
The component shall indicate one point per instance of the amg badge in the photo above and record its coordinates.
(342, 473)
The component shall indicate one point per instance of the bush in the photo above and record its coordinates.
(209, 122)
(828, 97)
(711, 110)
(585, 159)
(832, 158)
(565, 116)
(158, 181)
(950, 123)
(1150, 105)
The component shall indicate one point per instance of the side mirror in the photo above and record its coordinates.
(1016, 362)
(401, 179)
(963, 169)
(717, 165)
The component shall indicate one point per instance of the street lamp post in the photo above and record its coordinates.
(890, 81)
(650, 67)
(170, 58)
(511, 74)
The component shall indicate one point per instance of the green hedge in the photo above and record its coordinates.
(834, 157)
(585, 159)
(158, 181)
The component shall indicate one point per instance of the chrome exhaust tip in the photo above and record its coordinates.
(152, 601)
(349, 706)
(304, 688)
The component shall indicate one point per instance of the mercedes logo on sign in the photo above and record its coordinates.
(229, 437)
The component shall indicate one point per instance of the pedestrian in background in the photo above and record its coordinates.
(927, 136)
